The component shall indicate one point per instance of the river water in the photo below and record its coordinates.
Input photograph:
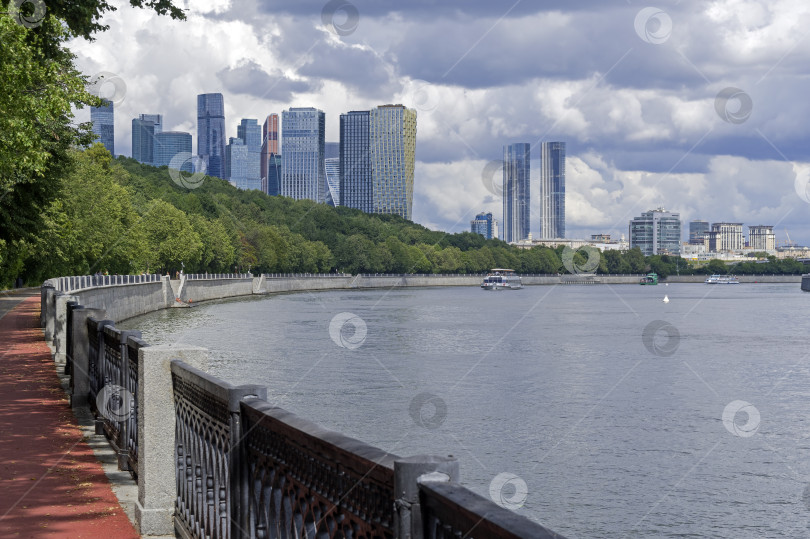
(615, 414)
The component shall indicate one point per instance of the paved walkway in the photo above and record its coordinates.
(51, 484)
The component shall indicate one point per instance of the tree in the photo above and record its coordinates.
(171, 240)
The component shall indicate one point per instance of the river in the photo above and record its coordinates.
(615, 414)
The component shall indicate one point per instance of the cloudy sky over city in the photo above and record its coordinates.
(696, 106)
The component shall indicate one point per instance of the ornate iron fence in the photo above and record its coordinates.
(305, 481)
(130, 384)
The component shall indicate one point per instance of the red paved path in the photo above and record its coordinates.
(51, 484)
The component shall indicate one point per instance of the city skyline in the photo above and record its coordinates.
(643, 113)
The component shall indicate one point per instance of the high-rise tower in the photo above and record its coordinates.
(103, 119)
(211, 133)
(516, 176)
(303, 174)
(552, 190)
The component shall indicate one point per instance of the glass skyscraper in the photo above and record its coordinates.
(303, 175)
(103, 119)
(354, 169)
(211, 133)
(156, 119)
(272, 183)
(697, 231)
(377, 153)
(251, 134)
(269, 147)
(552, 190)
(143, 141)
(170, 143)
(516, 176)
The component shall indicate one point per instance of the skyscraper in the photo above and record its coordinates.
(272, 183)
(331, 150)
(552, 190)
(168, 144)
(516, 175)
(656, 232)
(485, 225)
(269, 146)
(103, 119)
(392, 140)
(377, 153)
(143, 141)
(211, 133)
(355, 177)
(303, 175)
(251, 134)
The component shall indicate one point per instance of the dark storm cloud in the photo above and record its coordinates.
(249, 78)
(361, 70)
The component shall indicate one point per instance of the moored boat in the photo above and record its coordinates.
(649, 279)
(502, 279)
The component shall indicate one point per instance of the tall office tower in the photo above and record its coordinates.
(169, 144)
(303, 175)
(269, 146)
(332, 166)
(697, 231)
(656, 232)
(377, 152)
(485, 225)
(143, 141)
(156, 119)
(103, 119)
(355, 161)
(729, 236)
(761, 238)
(392, 144)
(211, 133)
(238, 165)
(516, 175)
(552, 190)
(251, 134)
(271, 184)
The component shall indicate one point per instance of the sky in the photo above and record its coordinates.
(699, 107)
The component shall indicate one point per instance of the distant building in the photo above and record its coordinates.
(271, 184)
(516, 199)
(354, 169)
(602, 238)
(697, 231)
(761, 238)
(377, 155)
(332, 166)
(103, 119)
(303, 175)
(726, 237)
(250, 132)
(143, 141)
(236, 162)
(485, 225)
(170, 143)
(552, 190)
(211, 133)
(656, 232)
(269, 146)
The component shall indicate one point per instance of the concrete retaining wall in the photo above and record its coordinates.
(201, 290)
(741, 278)
(127, 300)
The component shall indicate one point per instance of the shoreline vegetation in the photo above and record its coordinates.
(123, 217)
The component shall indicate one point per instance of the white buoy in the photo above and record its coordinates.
(666, 284)
(666, 299)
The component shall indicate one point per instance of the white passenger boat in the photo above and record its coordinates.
(722, 279)
(502, 279)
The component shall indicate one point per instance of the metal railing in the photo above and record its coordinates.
(211, 276)
(82, 282)
(130, 384)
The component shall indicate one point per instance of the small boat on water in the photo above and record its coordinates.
(649, 279)
(722, 279)
(502, 279)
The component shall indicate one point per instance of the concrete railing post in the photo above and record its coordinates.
(43, 304)
(80, 369)
(60, 326)
(157, 487)
(50, 302)
(407, 472)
